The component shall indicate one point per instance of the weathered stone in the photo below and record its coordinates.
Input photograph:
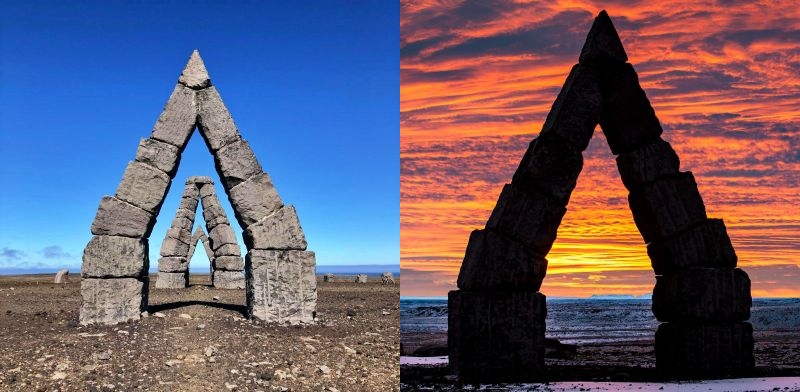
(281, 285)
(387, 278)
(705, 350)
(493, 261)
(184, 213)
(172, 280)
(228, 250)
(254, 199)
(706, 245)
(231, 280)
(576, 112)
(199, 235)
(112, 301)
(143, 186)
(62, 276)
(229, 263)
(496, 336)
(194, 75)
(627, 119)
(173, 247)
(551, 166)
(188, 203)
(207, 190)
(702, 295)
(213, 213)
(361, 278)
(162, 156)
(529, 217)
(221, 235)
(328, 278)
(667, 206)
(603, 43)
(280, 230)
(236, 163)
(173, 264)
(181, 222)
(214, 120)
(116, 217)
(199, 180)
(176, 123)
(181, 235)
(115, 257)
(647, 164)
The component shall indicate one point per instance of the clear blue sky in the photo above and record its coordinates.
(313, 86)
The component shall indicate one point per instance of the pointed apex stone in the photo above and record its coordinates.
(194, 75)
(603, 42)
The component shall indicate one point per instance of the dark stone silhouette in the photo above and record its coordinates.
(497, 317)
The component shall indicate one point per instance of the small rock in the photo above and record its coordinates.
(230, 386)
(201, 326)
(348, 350)
(212, 360)
(58, 376)
(385, 313)
(145, 314)
(104, 356)
(267, 375)
(209, 351)
(215, 298)
(185, 316)
(159, 315)
(172, 362)
(311, 348)
(89, 368)
(324, 369)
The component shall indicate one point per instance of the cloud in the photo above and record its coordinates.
(9, 254)
(54, 252)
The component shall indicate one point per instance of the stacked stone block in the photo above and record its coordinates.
(199, 236)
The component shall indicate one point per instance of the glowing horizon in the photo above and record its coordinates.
(477, 82)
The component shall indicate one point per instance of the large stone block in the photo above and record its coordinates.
(702, 295)
(576, 111)
(666, 207)
(551, 166)
(493, 261)
(213, 213)
(173, 264)
(648, 163)
(172, 280)
(179, 234)
(496, 336)
(235, 163)
(115, 257)
(143, 186)
(706, 245)
(189, 203)
(228, 250)
(229, 263)
(529, 217)
(603, 44)
(182, 223)
(184, 213)
(254, 199)
(281, 231)
(281, 285)
(174, 247)
(163, 156)
(705, 350)
(215, 122)
(176, 123)
(112, 301)
(194, 75)
(118, 218)
(231, 280)
(627, 119)
(221, 235)
(206, 190)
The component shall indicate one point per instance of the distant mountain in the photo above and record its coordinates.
(620, 296)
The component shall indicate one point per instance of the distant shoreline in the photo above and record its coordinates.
(345, 269)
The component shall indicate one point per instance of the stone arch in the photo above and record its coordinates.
(114, 283)
(497, 317)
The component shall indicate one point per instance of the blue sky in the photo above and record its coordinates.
(313, 87)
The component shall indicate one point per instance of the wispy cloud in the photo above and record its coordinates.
(8, 254)
(54, 252)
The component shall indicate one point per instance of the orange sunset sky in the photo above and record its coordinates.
(478, 78)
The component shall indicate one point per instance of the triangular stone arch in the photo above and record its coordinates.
(497, 318)
(279, 272)
(223, 252)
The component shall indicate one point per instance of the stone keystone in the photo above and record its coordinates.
(603, 43)
(194, 75)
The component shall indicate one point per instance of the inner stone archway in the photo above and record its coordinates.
(496, 321)
(279, 272)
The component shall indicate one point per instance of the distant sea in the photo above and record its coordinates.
(596, 320)
(369, 269)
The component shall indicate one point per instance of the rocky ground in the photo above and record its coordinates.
(196, 339)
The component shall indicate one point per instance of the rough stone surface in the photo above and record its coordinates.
(199, 180)
(173, 247)
(576, 112)
(328, 278)
(702, 295)
(194, 75)
(181, 235)
(647, 164)
(706, 245)
(144, 186)
(220, 235)
(281, 285)
(184, 213)
(206, 190)
(118, 218)
(215, 122)
(231, 280)
(62, 276)
(189, 203)
(213, 213)
(181, 222)
(172, 280)
(228, 250)
(529, 217)
(627, 119)
(112, 301)
(704, 350)
(176, 123)
(667, 206)
(493, 261)
(173, 264)
(254, 199)
(163, 156)
(496, 336)
(115, 257)
(551, 166)
(387, 278)
(280, 230)
(603, 43)
(236, 163)
(229, 263)
(361, 278)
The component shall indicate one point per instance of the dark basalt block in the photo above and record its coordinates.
(551, 166)
(666, 207)
(706, 245)
(493, 261)
(576, 112)
(705, 350)
(647, 164)
(699, 295)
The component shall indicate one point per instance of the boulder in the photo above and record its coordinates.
(143, 186)
(221, 235)
(172, 280)
(115, 257)
(493, 261)
(177, 122)
(328, 278)
(702, 295)
(62, 277)
(117, 218)
(387, 278)
(279, 231)
(281, 285)
(112, 301)
(705, 350)
(214, 121)
(667, 206)
(551, 166)
(173, 264)
(236, 163)
(529, 217)
(361, 278)
(705, 245)
(576, 111)
(231, 280)
(179, 234)
(647, 164)
(228, 250)
(254, 199)
(174, 247)
(163, 156)
(229, 263)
